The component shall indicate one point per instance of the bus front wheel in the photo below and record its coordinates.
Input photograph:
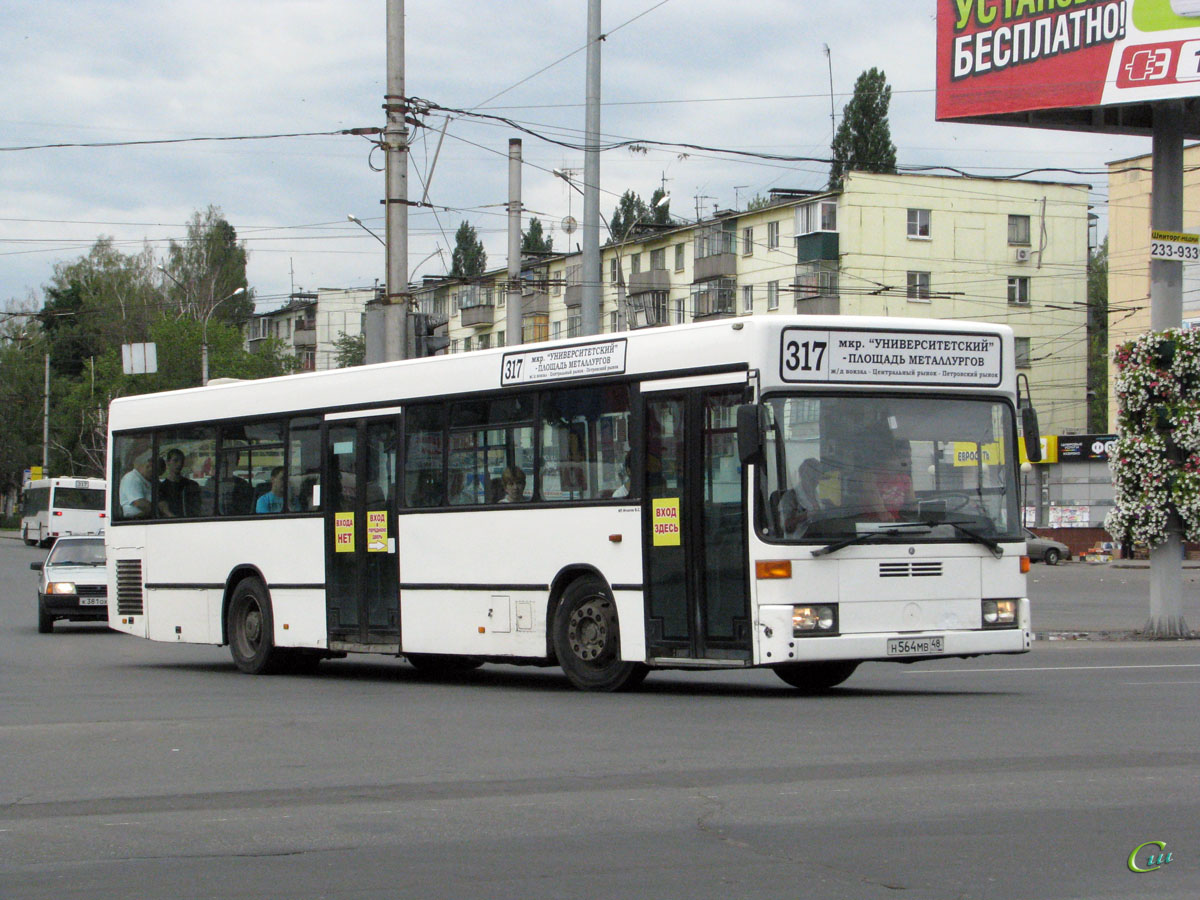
(587, 639)
(813, 678)
(251, 629)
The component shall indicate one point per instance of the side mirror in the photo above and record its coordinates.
(36, 566)
(750, 433)
(1033, 435)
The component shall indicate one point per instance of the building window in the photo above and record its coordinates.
(747, 299)
(747, 242)
(679, 316)
(816, 217)
(499, 338)
(574, 325)
(656, 306)
(1021, 352)
(485, 341)
(555, 330)
(716, 239)
(535, 328)
(918, 223)
(918, 286)
(1018, 230)
(772, 295)
(635, 263)
(612, 271)
(818, 278)
(467, 344)
(772, 235)
(714, 298)
(679, 251)
(1018, 289)
(612, 322)
(658, 259)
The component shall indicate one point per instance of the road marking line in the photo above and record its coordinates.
(1056, 668)
(1141, 683)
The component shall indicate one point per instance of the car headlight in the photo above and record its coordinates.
(60, 587)
(807, 620)
(999, 613)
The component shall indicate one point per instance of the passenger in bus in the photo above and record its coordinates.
(236, 495)
(514, 485)
(626, 477)
(797, 504)
(136, 486)
(892, 484)
(272, 500)
(178, 495)
(460, 495)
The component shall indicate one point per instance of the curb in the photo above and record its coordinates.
(1119, 635)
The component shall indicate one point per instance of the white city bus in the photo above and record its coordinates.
(52, 507)
(801, 493)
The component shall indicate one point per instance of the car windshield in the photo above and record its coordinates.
(77, 553)
(898, 468)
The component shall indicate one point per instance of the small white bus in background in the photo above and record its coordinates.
(798, 493)
(52, 507)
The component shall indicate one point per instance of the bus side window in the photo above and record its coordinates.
(423, 445)
(304, 464)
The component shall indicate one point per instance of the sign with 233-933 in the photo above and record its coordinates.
(1174, 245)
(911, 357)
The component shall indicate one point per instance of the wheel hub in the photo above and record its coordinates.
(589, 630)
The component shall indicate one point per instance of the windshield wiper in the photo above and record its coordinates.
(896, 530)
(997, 550)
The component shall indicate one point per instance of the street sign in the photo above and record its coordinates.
(1174, 245)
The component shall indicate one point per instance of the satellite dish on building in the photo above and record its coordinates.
(569, 225)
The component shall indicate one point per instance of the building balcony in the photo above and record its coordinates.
(534, 303)
(645, 282)
(818, 245)
(573, 296)
(479, 316)
(304, 337)
(719, 265)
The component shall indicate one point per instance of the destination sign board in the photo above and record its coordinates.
(895, 357)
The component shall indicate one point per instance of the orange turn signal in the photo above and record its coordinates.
(773, 568)
(1024, 564)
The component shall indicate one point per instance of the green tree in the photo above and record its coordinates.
(660, 207)
(864, 139)
(534, 240)
(758, 201)
(1097, 331)
(351, 350)
(22, 351)
(469, 258)
(207, 268)
(630, 210)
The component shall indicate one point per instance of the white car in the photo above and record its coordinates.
(73, 583)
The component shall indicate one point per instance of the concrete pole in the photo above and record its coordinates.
(589, 313)
(513, 311)
(46, 424)
(1166, 311)
(395, 136)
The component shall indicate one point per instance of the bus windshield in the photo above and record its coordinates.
(904, 468)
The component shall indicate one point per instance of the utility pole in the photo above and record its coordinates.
(513, 311)
(46, 424)
(395, 138)
(589, 313)
(1166, 311)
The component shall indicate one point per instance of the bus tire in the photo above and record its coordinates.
(815, 678)
(587, 639)
(442, 664)
(251, 630)
(29, 542)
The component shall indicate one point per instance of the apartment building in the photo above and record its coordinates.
(888, 245)
(311, 322)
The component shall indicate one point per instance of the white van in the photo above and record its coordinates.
(52, 507)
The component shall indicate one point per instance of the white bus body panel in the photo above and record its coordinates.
(513, 557)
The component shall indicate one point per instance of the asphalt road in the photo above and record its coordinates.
(135, 769)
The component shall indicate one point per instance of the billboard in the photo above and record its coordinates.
(999, 58)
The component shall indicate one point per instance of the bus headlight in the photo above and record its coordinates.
(999, 613)
(807, 620)
(60, 587)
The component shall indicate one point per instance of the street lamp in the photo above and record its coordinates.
(204, 337)
(357, 221)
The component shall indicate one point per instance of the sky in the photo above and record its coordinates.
(748, 77)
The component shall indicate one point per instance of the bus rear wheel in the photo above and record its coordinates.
(29, 542)
(251, 628)
(587, 639)
(814, 678)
